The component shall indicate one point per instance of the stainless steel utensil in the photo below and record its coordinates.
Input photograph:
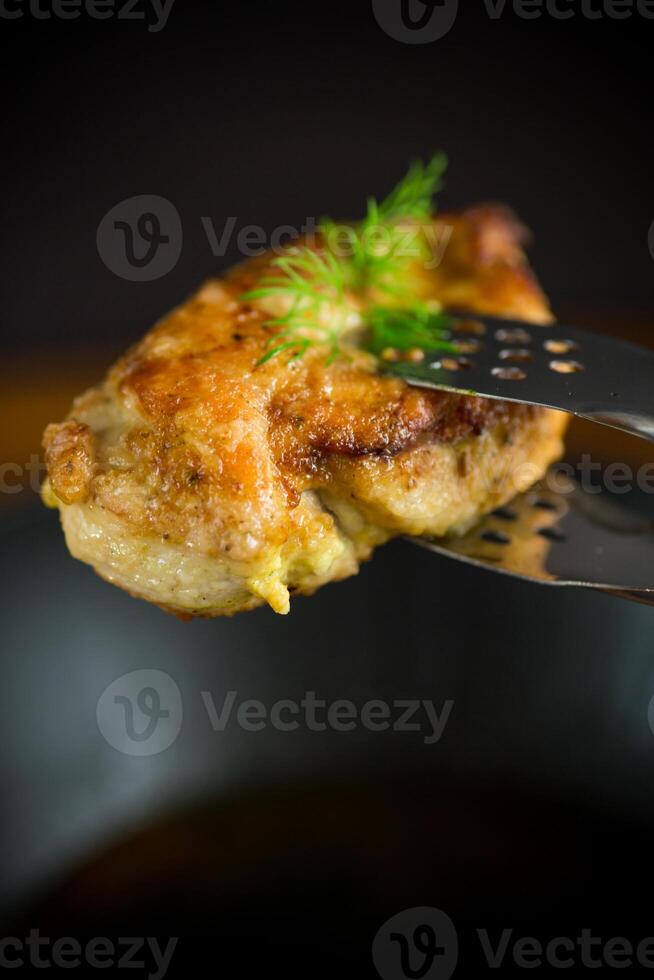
(560, 535)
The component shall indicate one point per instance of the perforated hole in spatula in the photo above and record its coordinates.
(563, 538)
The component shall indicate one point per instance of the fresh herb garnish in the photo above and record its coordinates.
(324, 291)
(379, 248)
(314, 283)
(396, 328)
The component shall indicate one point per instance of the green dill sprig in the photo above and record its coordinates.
(379, 249)
(413, 197)
(362, 260)
(296, 333)
(399, 329)
(313, 282)
(310, 277)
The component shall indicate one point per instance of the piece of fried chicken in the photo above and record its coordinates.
(206, 484)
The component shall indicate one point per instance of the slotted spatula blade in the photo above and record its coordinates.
(590, 375)
(561, 537)
(567, 536)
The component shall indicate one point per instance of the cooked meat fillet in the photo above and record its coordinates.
(206, 484)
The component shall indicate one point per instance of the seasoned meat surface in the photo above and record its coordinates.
(207, 482)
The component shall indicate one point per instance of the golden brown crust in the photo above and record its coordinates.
(69, 459)
(190, 443)
(315, 410)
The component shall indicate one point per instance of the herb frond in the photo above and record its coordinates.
(373, 260)
(377, 248)
(382, 265)
(403, 329)
(312, 281)
(306, 276)
(413, 197)
(297, 334)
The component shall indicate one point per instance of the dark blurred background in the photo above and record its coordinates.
(533, 810)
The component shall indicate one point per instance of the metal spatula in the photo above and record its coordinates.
(561, 535)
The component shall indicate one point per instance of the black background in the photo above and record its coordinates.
(535, 811)
(273, 112)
